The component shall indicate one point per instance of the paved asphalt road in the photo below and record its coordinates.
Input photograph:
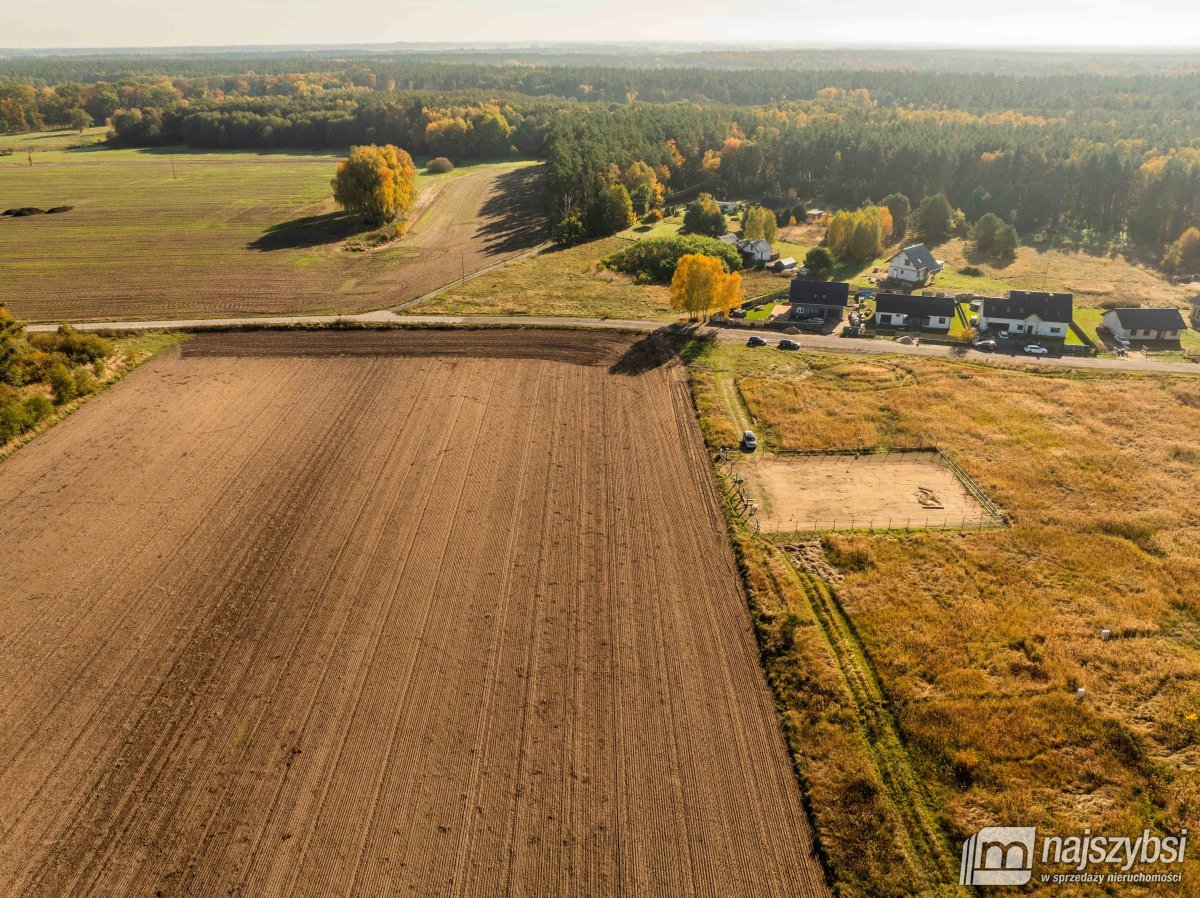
(841, 345)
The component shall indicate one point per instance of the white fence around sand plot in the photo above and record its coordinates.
(806, 492)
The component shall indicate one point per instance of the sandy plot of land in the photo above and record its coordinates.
(826, 492)
(282, 617)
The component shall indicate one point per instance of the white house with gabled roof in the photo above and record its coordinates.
(913, 265)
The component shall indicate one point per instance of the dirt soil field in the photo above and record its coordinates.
(168, 233)
(369, 614)
(829, 492)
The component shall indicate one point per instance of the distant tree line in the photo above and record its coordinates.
(1112, 154)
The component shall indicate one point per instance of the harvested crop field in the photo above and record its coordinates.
(846, 492)
(168, 233)
(285, 616)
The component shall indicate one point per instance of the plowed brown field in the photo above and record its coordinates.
(384, 614)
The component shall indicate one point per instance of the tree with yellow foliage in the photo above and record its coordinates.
(700, 286)
(378, 183)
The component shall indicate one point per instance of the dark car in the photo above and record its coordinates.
(788, 344)
(756, 341)
(985, 345)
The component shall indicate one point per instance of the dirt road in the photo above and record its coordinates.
(384, 614)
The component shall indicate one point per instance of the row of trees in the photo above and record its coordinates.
(761, 78)
(430, 125)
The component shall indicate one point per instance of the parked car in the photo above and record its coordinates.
(756, 340)
(749, 441)
(1003, 335)
(1123, 341)
(788, 344)
(985, 345)
(737, 313)
(1034, 349)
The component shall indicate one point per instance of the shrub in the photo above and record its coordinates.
(18, 415)
(62, 382)
(569, 231)
(819, 261)
(85, 382)
(971, 271)
(439, 165)
(652, 217)
(656, 258)
(80, 348)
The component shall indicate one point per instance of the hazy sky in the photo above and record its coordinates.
(89, 23)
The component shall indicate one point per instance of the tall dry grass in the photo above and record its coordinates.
(981, 639)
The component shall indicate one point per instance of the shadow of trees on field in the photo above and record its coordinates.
(653, 350)
(513, 217)
(309, 231)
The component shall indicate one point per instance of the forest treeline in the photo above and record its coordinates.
(1149, 95)
(1113, 154)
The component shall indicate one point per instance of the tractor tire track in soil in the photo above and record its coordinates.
(353, 613)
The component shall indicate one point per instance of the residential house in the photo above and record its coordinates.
(812, 216)
(786, 264)
(728, 208)
(924, 312)
(731, 239)
(913, 265)
(1195, 313)
(1145, 324)
(813, 299)
(757, 251)
(1025, 312)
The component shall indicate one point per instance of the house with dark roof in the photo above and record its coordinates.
(913, 265)
(818, 299)
(1028, 313)
(1145, 324)
(924, 312)
(1195, 313)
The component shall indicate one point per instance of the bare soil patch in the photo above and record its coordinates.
(837, 492)
(284, 617)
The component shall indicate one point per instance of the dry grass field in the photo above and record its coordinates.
(376, 613)
(557, 282)
(171, 233)
(929, 680)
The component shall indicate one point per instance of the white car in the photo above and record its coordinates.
(1034, 349)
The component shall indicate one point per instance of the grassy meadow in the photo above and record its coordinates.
(564, 282)
(978, 641)
(170, 232)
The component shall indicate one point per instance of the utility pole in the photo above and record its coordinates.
(173, 175)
